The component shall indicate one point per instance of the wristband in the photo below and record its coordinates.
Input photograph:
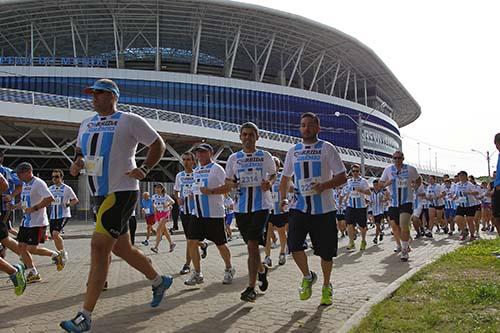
(144, 168)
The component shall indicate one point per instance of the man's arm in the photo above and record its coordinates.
(4, 185)
(155, 153)
(41, 205)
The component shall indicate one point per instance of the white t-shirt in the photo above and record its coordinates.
(400, 188)
(32, 194)
(62, 194)
(162, 202)
(109, 145)
(210, 176)
(312, 163)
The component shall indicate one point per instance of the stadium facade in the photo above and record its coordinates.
(196, 70)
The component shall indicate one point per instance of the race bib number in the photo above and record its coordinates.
(147, 211)
(276, 196)
(462, 200)
(187, 190)
(56, 202)
(402, 183)
(354, 193)
(93, 165)
(250, 178)
(195, 189)
(306, 186)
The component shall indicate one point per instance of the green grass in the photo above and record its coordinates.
(460, 292)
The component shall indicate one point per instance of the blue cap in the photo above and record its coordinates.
(203, 146)
(103, 85)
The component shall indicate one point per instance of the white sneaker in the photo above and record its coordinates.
(282, 259)
(397, 249)
(404, 255)
(228, 275)
(274, 245)
(195, 278)
(65, 256)
(267, 261)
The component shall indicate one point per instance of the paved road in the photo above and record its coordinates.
(213, 307)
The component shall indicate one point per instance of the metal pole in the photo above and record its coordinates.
(418, 144)
(488, 160)
(361, 146)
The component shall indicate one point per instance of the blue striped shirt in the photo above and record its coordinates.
(400, 187)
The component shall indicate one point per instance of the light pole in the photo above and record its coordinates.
(487, 156)
(359, 127)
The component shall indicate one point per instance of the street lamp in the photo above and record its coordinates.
(359, 127)
(487, 156)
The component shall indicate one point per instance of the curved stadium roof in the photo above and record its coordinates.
(200, 37)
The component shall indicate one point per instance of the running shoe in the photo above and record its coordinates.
(204, 250)
(326, 295)
(404, 255)
(282, 259)
(78, 324)
(18, 280)
(159, 291)
(33, 278)
(195, 278)
(172, 247)
(428, 233)
(154, 249)
(375, 240)
(60, 261)
(305, 290)
(397, 249)
(185, 269)
(145, 242)
(228, 275)
(362, 247)
(381, 236)
(248, 295)
(267, 261)
(274, 245)
(351, 246)
(262, 280)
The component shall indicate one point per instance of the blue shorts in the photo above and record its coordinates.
(450, 213)
(229, 218)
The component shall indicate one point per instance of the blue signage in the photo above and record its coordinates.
(55, 61)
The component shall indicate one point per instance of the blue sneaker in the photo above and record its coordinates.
(159, 291)
(76, 325)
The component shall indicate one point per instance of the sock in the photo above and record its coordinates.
(86, 314)
(309, 276)
(157, 280)
(32, 270)
(405, 245)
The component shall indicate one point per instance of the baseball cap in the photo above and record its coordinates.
(23, 167)
(203, 146)
(103, 85)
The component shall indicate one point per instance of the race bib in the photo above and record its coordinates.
(402, 183)
(147, 211)
(93, 165)
(462, 200)
(306, 184)
(276, 196)
(250, 178)
(195, 189)
(187, 190)
(354, 193)
(56, 202)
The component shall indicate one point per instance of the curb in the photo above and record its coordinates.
(356, 318)
(89, 235)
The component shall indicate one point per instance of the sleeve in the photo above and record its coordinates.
(230, 172)
(43, 190)
(366, 186)
(269, 165)
(385, 175)
(177, 184)
(141, 130)
(169, 199)
(69, 194)
(334, 161)
(288, 168)
(14, 179)
(220, 175)
(79, 136)
(413, 173)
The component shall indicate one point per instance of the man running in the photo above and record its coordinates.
(8, 196)
(183, 194)
(106, 148)
(207, 222)
(64, 198)
(401, 179)
(252, 171)
(464, 192)
(435, 195)
(317, 169)
(147, 209)
(378, 198)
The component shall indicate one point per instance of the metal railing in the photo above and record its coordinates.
(79, 104)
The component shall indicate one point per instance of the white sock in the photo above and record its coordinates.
(157, 281)
(86, 314)
(309, 276)
(405, 245)
(54, 254)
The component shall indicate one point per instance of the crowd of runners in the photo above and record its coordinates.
(309, 200)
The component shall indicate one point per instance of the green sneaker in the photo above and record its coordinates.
(326, 295)
(305, 290)
(19, 280)
(363, 245)
(351, 246)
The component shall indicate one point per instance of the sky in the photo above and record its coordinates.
(445, 53)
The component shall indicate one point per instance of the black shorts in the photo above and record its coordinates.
(185, 219)
(280, 220)
(437, 207)
(394, 212)
(57, 224)
(31, 236)
(114, 211)
(495, 203)
(202, 228)
(466, 211)
(378, 218)
(356, 216)
(4, 231)
(322, 228)
(252, 226)
(477, 208)
(340, 217)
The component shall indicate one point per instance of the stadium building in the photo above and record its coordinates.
(196, 70)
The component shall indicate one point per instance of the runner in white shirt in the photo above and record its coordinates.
(401, 179)
(435, 195)
(106, 148)
(464, 192)
(477, 204)
(184, 195)
(378, 199)
(229, 211)
(485, 206)
(64, 198)
(162, 203)
(35, 197)
(252, 172)
(418, 208)
(340, 204)
(208, 214)
(317, 169)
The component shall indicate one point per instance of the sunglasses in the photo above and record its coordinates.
(354, 170)
(397, 158)
(56, 177)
